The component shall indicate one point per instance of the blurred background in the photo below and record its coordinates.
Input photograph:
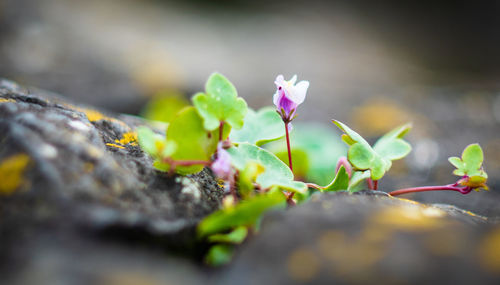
(371, 64)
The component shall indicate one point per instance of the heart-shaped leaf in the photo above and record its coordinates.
(276, 173)
(220, 103)
(391, 146)
(192, 140)
(246, 213)
(356, 179)
(260, 127)
(340, 182)
(379, 158)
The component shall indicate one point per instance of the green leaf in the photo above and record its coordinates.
(300, 161)
(164, 107)
(193, 141)
(260, 127)
(456, 161)
(356, 179)
(246, 213)
(220, 103)
(316, 149)
(361, 156)
(148, 140)
(156, 146)
(276, 173)
(341, 181)
(378, 159)
(391, 146)
(219, 254)
(247, 177)
(351, 136)
(236, 236)
(472, 158)
(471, 165)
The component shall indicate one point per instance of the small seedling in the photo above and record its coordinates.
(222, 133)
(469, 168)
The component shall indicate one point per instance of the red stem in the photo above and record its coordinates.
(175, 163)
(221, 130)
(450, 187)
(288, 147)
(289, 197)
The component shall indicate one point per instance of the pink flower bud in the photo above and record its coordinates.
(288, 96)
(222, 165)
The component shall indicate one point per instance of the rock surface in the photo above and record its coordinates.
(370, 238)
(72, 179)
(81, 204)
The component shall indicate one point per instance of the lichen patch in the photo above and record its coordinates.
(3, 100)
(129, 138)
(11, 173)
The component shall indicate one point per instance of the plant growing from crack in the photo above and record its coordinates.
(220, 132)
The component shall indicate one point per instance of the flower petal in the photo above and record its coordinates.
(299, 92)
(280, 80)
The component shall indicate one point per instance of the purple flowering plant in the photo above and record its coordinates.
(222, 133)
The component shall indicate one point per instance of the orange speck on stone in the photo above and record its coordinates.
(303, 265)
(11, 173)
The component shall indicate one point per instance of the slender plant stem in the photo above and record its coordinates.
(375, 184)
(288, 147)
(221, 130)
(289, 197)
(450, 187)
(232, 189)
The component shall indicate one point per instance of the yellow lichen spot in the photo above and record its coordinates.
(93, 115)
(128, 138)
(303, 265)
(489, 251)
(410, 217)
(115, 145)
(3, 100)
(11, 173)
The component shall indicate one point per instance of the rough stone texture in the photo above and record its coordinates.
(87, 182)
(339, 238)
(81, 204)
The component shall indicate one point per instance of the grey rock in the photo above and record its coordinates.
(87, 182)
(340, 238)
